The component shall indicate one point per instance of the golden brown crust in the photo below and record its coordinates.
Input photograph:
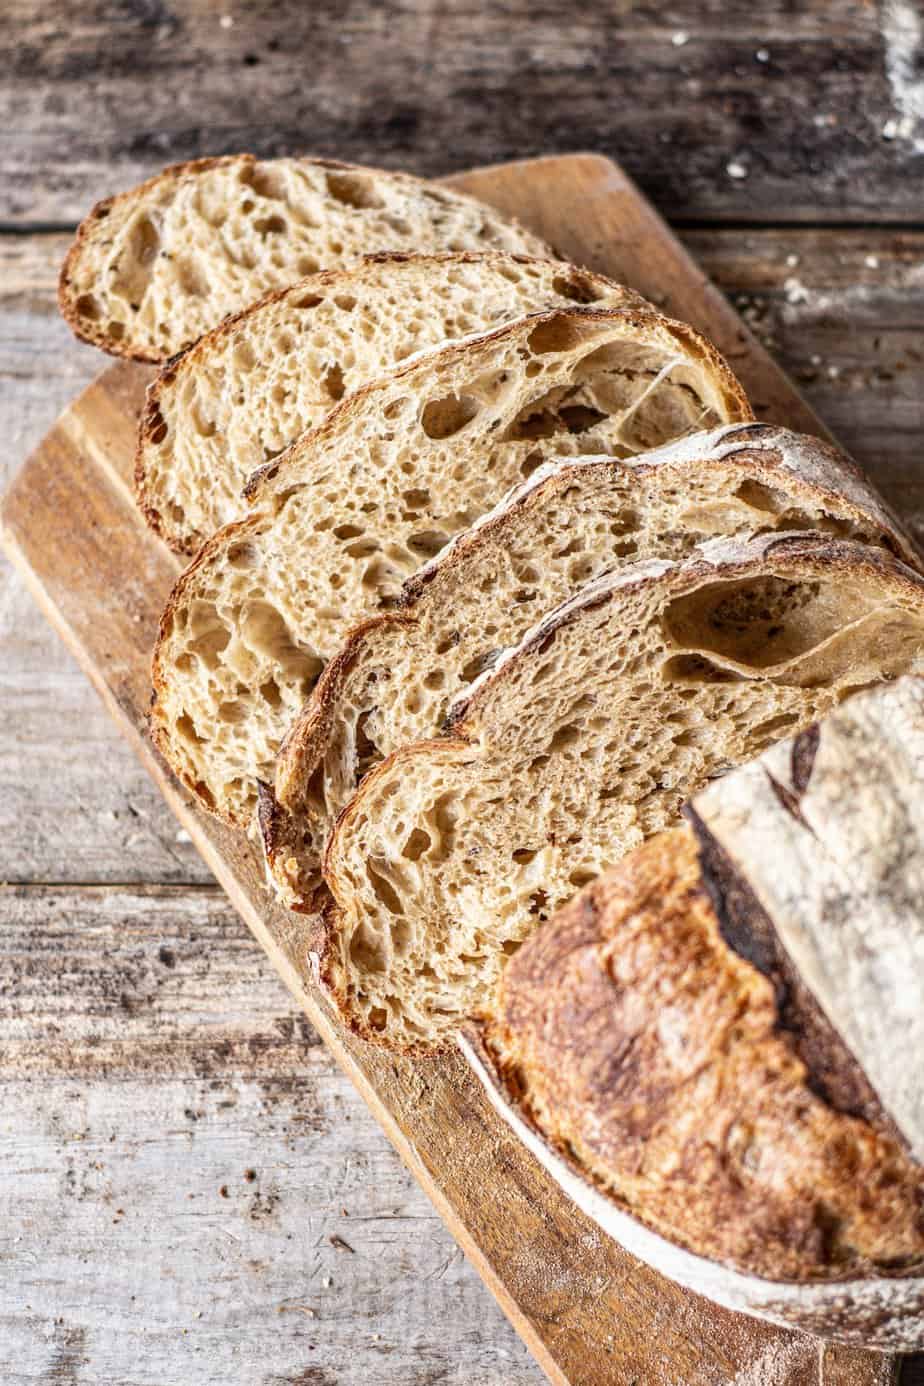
(651, 1054)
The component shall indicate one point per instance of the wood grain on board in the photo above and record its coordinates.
(778, 112)
(588, 1312)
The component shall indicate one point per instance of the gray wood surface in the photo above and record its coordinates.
(148, 1057)
(719, 108)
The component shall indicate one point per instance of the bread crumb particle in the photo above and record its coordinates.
(680, 38)
(735, 169)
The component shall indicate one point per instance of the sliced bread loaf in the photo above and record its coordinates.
(251, 386)
(356, 505)
(580, 743)
(395, 677)
(709, 1045)
(153, 268)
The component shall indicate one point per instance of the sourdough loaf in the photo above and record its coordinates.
(396, 675)
(713, 1039)
(581, 742)
(153, 268)
(355, 506)
(255, 383)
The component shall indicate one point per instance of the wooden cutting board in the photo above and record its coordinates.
(589, 1312)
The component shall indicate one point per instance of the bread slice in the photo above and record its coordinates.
(395, 676)
(153, 268)
(356, 505)
(252, 385)
(710, 1042)
(581, 742)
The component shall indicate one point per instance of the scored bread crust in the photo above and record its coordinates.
(346, 513)
(253, 384)
(399, 196)
(386, 663)
(639, 1043)
(581, 742)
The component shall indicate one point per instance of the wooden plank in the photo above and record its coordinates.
(720, 110)
(179, 1149)
(586, 1310)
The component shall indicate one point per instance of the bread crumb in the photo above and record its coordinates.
(736, 169)
(680, 38)
(871, 262)
(226, 21)
(792, 260)
(762, 55)
(795, 290)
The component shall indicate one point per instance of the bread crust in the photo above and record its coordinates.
(869, 1312)
(88, 231)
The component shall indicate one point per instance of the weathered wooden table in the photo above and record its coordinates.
(166, 1120)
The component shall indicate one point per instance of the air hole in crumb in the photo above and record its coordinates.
(478, 664)
(187, 731)
(416, 498)
(558, 334)
(531, 462)
(157, 425)
(270, 693)
(441, 418)
(384, 890)
(692, 668)
(416, 845)
(395, 407)
(524, 855)
(270, 226)
(88, 306)
(428, 542)
(243, 556)
(576, 286)
(352, 190)
(332, 381)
